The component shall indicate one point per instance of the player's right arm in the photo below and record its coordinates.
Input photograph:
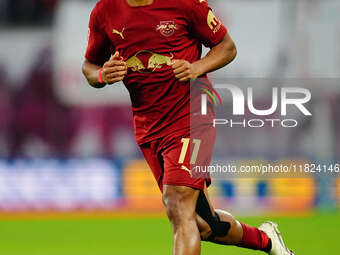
(113, 70)
(99, 67)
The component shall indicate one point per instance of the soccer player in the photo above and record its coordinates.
(154, 47)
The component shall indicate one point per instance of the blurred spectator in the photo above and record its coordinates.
(27, 12)
(40, 124)
(4, 111)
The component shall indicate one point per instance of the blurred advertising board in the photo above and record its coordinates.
(139, 187)
(280, 194)
(338, 191)
(48, 184)
(128, 185)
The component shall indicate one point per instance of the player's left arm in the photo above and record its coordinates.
(219, 56)
(208, 30)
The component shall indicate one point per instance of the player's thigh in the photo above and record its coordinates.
(176, 155)
(180, 202)
(181, 154)
(154, 160)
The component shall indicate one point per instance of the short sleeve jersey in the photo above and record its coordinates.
(149, 38)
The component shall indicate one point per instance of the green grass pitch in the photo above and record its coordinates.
(313, 235)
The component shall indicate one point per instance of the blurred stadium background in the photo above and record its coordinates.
(72, 180)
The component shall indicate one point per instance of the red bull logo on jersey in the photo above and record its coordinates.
(135, 64)
(148, 61)
(158, 60)
(167, 28)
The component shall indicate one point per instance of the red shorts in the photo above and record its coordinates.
(173, 157)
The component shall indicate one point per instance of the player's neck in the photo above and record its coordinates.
(135, 3)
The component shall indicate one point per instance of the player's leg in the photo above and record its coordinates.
(231, 231)
(236, 233)
(179, 199)
(266, 238)
(180, 203)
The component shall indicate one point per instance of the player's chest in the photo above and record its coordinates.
(145, 30)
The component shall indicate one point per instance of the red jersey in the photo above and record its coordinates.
(149, 38)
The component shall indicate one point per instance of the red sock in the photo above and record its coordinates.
(254, 239)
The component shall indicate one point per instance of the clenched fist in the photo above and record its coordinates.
(183, 70)
(114, 70)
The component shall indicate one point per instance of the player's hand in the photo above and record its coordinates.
(114, 70)
(183, 70)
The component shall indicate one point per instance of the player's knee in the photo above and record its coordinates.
(227, 217)
(204, 228)
(205, 235)
(176, 212)
(173, 212)
(218, 227)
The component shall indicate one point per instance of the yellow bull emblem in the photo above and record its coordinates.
(167, 28)
(170, 26)
(156, 61)
(135, 64)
